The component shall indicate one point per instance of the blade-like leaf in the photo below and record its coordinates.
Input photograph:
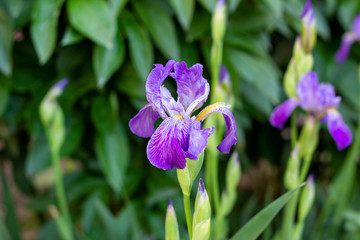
(208, 4)
(107, 61)
(118, 5)
(160, 25)
(6, 43)
(43, 28)
(94, 19)
(184, 11)
(4, 234)
(141, 50)
(260, 221)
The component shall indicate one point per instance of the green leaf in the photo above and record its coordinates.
(43, 29)
(6, 43)
(71, 36)
(4, 234)
(233, 4)
(93, 18)
(160, 25)
(107, 61)
(262, 73)
(184, 11)
(4, 94)
(141, 49)
(118, 5)
(260, 221)
(15, 7)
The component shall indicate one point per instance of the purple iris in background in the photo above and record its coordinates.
(180, 135)
(348, 39)
(320, 101)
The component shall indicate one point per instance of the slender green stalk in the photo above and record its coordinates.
(293, 130)
(59, 186)
(289, 217)
(188, 214)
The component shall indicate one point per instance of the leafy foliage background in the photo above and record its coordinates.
(106, 49)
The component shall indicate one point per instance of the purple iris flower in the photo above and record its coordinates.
(320, 101)
(180, 135)
(348, 39)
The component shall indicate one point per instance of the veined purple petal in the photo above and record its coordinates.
(143, 122)
(338, 129)
(230, 137)
(355, 28)
(165, 149)
(198, 139)
(169, 104)
(346, 42)
(282, 112)
(306, 90)
(192, 88)
(154, 82)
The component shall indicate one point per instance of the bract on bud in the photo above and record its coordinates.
(306, 198)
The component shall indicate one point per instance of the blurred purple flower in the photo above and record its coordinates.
(180, 135)
(319, 100)
(348, 39)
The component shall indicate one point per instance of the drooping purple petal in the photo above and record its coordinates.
(198, 139)
(154, 82)
(143, 122)
(230, 137)
(306, 90)
(338, 129)
(355, 28)
(169, 104)
(165, 148)
(327, 97)
(192, 88)
(343, 52)
(282, 112)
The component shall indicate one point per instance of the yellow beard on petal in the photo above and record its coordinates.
(207, 109)
(177, 117)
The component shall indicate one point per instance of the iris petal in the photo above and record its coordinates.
(143, 122)
(306, 90)
(192, 88)
(169, 104)
(282, 112)
(165, 148)
(338, 129)
(346, 42)
(198, 139)
(355, 28)
(154, 82)
(230, 134)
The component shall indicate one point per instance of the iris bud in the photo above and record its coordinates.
(309, 137)
(202, 214)
(291, 177)
(171, 224)
(308, 31)
(306, 198)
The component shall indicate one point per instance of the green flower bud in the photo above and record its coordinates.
(218, 22)
(171, 224)
(306, 198)
(290, 79)
(233, 173)
(291, 177)
(187, 175)
(202, 214)
(309, 137)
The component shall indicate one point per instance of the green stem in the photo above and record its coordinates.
(289, 217)
(188, 214)
(60, 192)
(214, 180)
(293, 130)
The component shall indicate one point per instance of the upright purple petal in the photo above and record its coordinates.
(327, 97)
(192, 88)
(338, 129)
(230, 137)
(198, 139)
(306, 90)
(143, 122)
(282, 112)
(169, 104)
(154, 82)
(165, 148)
